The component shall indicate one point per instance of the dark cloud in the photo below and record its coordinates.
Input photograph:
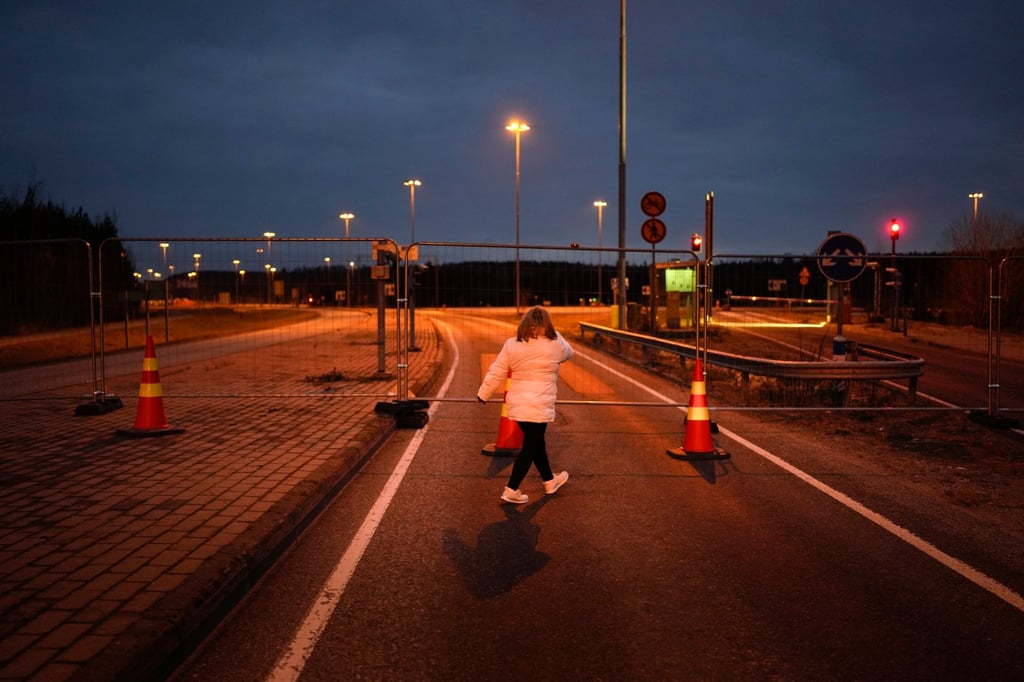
(230, 118)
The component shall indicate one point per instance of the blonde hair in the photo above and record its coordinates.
(534, 320)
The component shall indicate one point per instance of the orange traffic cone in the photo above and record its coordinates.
(697, 442)
(149, 418)
(510, 436)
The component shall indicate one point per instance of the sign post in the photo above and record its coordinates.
(653, 231)
(842, 259)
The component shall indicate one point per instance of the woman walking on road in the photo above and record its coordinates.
(533, 357)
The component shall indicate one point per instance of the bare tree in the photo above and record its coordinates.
(982, 244)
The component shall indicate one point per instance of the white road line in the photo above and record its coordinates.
(975, 576)
(972, 574)
(293, 661)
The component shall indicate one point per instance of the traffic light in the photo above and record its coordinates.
(894, 229)
(695, 243)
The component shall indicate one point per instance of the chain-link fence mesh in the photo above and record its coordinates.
(350, 310)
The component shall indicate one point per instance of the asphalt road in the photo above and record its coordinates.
(793, 559)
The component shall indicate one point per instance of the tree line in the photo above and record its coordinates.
(48, 263)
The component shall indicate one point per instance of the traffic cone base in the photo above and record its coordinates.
(680, 453)
(697, 441)
(150, 419)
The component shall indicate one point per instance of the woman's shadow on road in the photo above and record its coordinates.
(505, 553)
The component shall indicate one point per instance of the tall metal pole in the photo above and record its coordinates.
(600, 260)
(974, 223)
(347, 216)
(412, 184)
(709, 230)
(518, 128)
(517, 222)
(622, 165)
(410, 305)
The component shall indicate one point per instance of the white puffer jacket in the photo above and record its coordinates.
(534, 386)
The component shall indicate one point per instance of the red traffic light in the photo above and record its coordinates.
(695, 243)
(894, 229)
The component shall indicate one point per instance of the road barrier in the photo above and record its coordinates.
(248, 299)
(891, 366)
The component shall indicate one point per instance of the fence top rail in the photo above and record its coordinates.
(796, 257)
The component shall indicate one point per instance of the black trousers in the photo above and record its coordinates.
(534, 452)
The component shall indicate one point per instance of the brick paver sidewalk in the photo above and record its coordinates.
(114, 552)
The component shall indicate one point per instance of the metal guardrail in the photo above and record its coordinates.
(887, 364)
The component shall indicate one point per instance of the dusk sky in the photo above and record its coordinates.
(227, 119)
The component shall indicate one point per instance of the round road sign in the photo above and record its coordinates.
(653, 204)
(842, 257)
(653, 230)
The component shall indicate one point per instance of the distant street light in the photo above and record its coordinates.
(348, 284)
(975, 196)
(517, 127)
(241, 274)
(974, 223)
(163, 247)
(236, 263)
(412, 184)
(196, 257)
(270, 249)
(347, 216)
(600, 215)
(327, 261)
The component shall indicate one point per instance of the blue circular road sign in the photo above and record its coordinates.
(842, 257)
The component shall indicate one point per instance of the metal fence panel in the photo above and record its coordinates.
(212, 304)
(45, 315)
(207, 302)
(1009, 333)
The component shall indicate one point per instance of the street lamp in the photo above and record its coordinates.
(327, 262)
(196, 257)
(348, 284)
(412, 184)
(236, 263)
(600, 214)
(517, 127)
(241, 274)
(163, 247)
(347, 216)
(270, 250)
(974, 223)
(975, 196)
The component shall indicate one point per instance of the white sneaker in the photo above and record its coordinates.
(514, 496)
(555, 483)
